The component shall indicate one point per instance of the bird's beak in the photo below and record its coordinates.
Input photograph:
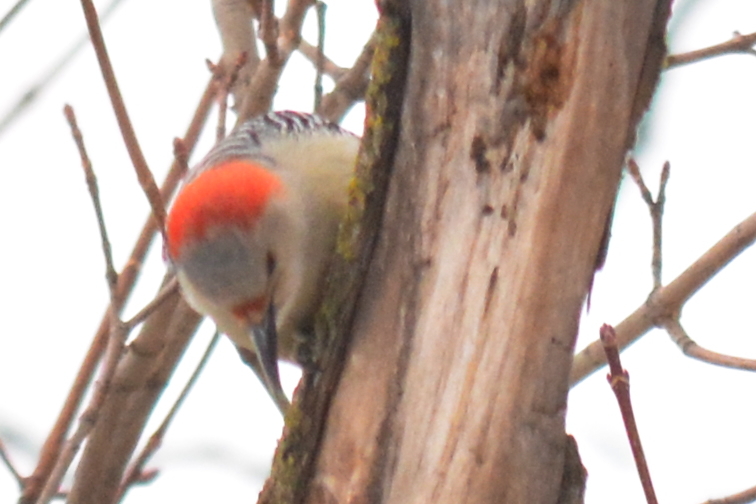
(265, 338)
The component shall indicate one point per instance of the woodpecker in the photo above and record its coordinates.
(253, 228)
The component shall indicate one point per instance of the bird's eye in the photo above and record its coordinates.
(270, 263)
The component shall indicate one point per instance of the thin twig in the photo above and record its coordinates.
(656, 209)
(135, 471)
(222, 99)
(223, 91)
(94, 193)
(632, 168)
(12, 13)
(180, 156)
(672, 323)
(669, 299)
(234, 20)
(116, 340)
(320, 9)
(11, 468)
(619, 380)
(153, 305)
(140, 378)
(53, 444)
(220, 128)
(744, 497)
(36, 89)
(159, 345)
(264, 82)
(330, 68)
(350, 87)
(269, 32)
(87, 421)
(692, 349)
(739, 44)
(144, 175)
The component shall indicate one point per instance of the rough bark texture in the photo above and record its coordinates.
(296, 453)
(516, 119)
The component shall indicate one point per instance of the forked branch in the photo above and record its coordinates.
(656, 209)
(116, 341)
(53, 444)
(692, 349)
(669, 299)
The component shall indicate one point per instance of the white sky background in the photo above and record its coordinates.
(696, 420)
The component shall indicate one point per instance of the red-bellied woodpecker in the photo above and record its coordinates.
(252, 230)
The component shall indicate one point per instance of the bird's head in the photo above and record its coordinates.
(223, 236)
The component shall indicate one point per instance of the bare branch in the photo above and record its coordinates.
(220, 128)
(330, 68)
(34, 91)
(12, 13)
(11, 468)
(180, 156)
(632, 168)
(656, 208)
(320, 9)
(692, 349)
(135, 471)
(739, 44)
(116, 341)
(744, 497)
(269, 32)
(143, 172)
(54, 442)
(291, 23)
(118, 331)
(350, 87)
(153, 305)
(669, 299)
(234, 20)
(94, 193)
(264, 82)
(620, 383)
(672, 323)
(228, 82)
(146, 364)
(350, 84)
(89, 417)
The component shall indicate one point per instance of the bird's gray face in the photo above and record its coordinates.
(227, 271)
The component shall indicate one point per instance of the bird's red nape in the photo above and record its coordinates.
(234, 193)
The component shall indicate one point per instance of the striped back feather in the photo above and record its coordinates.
(249, 139)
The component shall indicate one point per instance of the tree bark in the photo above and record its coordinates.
(515, 123)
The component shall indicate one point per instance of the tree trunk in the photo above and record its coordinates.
(515, 122)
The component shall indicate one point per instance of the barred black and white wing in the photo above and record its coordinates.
(258, 138)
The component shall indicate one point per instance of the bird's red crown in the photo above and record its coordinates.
(234, 193)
